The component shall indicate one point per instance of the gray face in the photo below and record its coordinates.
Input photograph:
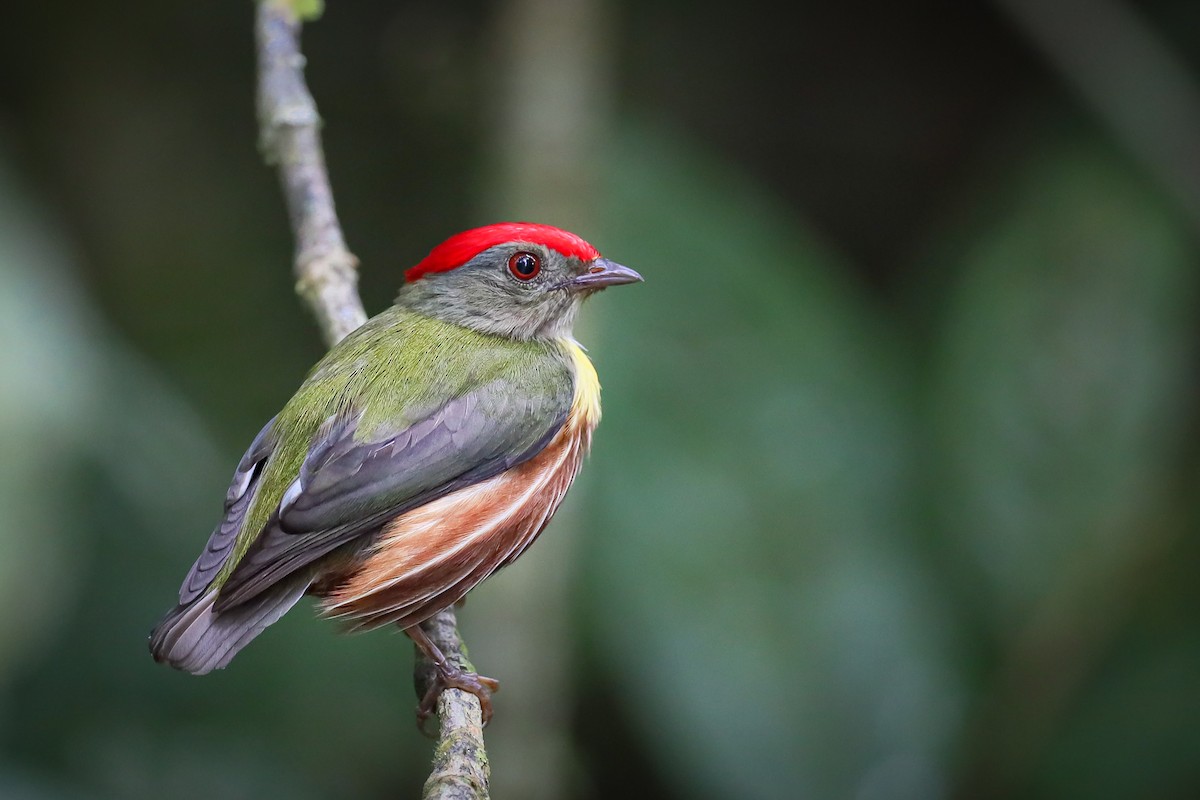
(520, 290)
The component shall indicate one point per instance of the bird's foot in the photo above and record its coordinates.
(450, 676)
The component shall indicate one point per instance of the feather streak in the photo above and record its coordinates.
(430, 557)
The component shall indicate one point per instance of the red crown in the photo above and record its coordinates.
(462, 247)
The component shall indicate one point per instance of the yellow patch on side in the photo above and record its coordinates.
(587, 385)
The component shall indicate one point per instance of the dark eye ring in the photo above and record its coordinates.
(524, 265)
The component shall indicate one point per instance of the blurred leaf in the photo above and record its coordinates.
(1060, 395)
(750, 589)
(1062, 405)
(47, 412)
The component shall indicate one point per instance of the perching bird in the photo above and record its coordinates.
(424, 452)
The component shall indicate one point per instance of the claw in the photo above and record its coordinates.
(450, 676)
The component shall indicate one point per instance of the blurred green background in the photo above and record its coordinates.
(895, 495)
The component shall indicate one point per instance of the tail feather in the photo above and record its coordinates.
(196, 639)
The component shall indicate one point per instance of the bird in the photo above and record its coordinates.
(425, 451)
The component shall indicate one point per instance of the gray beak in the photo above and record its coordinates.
(603, 272)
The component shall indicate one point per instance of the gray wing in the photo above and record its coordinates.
(238, 498)
(348, 488)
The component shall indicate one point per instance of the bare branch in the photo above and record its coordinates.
(327, 280)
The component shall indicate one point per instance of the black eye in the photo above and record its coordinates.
(524, 265)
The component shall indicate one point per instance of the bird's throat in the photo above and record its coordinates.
(586, 404)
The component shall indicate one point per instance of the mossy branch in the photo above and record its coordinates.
(290, 138)
(460, 764)
(327, 280)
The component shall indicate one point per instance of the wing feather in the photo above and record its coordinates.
(241, 493)
(348, 489)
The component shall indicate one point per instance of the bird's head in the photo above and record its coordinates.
(513, 279)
